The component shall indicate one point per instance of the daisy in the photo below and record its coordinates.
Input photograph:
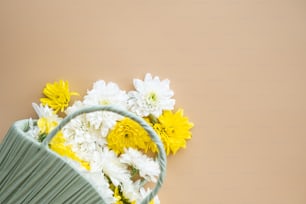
(152, 96)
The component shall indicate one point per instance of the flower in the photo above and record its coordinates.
(57, 95)
(44, 111)
(120, 198)
(82, 137)
(45, 126)
(32, 129)
(152, 96)
(127, 133)
(114, 153)
(47, 120)
(58, 145)
(146, 166)
(105, 94)
(107, 162)
(174, 130)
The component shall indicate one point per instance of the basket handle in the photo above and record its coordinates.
(161, 157)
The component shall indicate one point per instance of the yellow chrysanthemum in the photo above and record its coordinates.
(174, 130)
(120, 198)
(57, 95)
(57, 144)
(45, 125)
(128, 133)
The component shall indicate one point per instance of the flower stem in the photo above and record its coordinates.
(153, 119)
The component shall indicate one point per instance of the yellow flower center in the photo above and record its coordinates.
(104, 102)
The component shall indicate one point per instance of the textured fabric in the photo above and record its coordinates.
(31, 173)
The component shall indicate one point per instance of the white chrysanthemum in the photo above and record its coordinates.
(45, 112)
(82, 137)
(144, 193)
(33, 130)
(147, 167)
(77, 105)
(105, 94)
(107, 162)
(131, 190)
(152, 96)
(80, 134)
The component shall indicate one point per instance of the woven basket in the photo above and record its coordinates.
(32, 173)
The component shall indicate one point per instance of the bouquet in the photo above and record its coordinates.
(113, 152)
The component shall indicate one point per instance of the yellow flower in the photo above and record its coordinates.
(128, 133)
(45, 125)
(58, 145)
(57, 95)
(120, 198)
(117, 196)
(174, 130)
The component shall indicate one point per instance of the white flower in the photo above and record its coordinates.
(77, 105)
(45, 112)
(152, 96)
(107, 162)
(78, 133)
(82, 137)
(105, 94)
(131, 190)
(144, 193)
(147, 167)
(33, 130)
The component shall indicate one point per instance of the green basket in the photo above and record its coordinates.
(32, 173)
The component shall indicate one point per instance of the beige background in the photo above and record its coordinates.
(237, 68)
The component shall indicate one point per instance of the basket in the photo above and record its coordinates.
(32, 173)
